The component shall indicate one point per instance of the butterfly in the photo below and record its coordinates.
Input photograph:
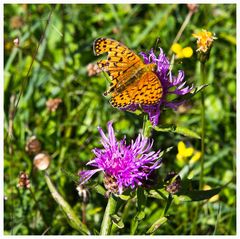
(132, 81)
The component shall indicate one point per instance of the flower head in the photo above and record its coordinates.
(204, 40)
(124, 166)
(184, 153)
(180, 52)
(171, 85)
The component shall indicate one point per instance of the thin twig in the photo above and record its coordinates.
(10, 133)
(182, 28)
(26, 79)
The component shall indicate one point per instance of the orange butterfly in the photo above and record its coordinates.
(132, 81)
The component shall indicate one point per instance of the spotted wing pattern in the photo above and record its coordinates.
(132, 81)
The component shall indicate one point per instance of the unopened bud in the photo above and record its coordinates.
(83, 193)
(173, 183)
(41, 161)
(23, 180)
(33, 145)
(192, 7)
(52, 104)
(93, 69)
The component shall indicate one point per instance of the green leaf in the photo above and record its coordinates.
(124, 197)
(72, 218)
(199, 195)
(141, 203)
(158, 193)
(165, 151)
(229, 38)
(177, 129)
(189, 193)
(140, 215)
(117, 221)
(156, 225)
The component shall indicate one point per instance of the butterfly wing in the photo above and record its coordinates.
(146, 91)
(120, 64)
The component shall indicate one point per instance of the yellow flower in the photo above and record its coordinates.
(181, 52)
(183, 152)
(204, 40)
(196, 156)
(187, 52)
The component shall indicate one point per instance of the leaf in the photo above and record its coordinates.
(100, 189)
(141, 199)
(72, 218)
(177, 129)
(165, 151)
(140, 215)
(156, 225)
(158, 193)
(124, 197)
(188, 193)
(117, 221)
(199, 195)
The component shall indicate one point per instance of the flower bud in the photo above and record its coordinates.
(111, 184)
(52, 104)
(192, 7)
(173, 183)
(23, 180)
(93, 69)
(83, 193)
(33, 145)
(41, 161)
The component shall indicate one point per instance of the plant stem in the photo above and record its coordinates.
(107, 222)
(146, 130)
(185, 23)
(169, 201)
(203, 80)
(72, 218)
(26, 79)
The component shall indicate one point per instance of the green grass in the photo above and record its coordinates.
(59, 70)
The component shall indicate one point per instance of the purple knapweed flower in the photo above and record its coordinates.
(170, 84)
(124, 166)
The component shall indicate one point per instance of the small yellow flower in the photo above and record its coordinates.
(204, 40)
(176, 47)
(184, 152)
(181, 52)
(196, 156)
(187, 52)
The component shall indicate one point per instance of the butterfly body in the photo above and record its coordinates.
(132, 81)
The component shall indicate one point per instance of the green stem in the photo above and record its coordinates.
(72, 218)
(107, 222)
(146, 130)
(203, 81)
(169, 201)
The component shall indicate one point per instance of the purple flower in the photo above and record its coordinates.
(174, 85)
(124, 166)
